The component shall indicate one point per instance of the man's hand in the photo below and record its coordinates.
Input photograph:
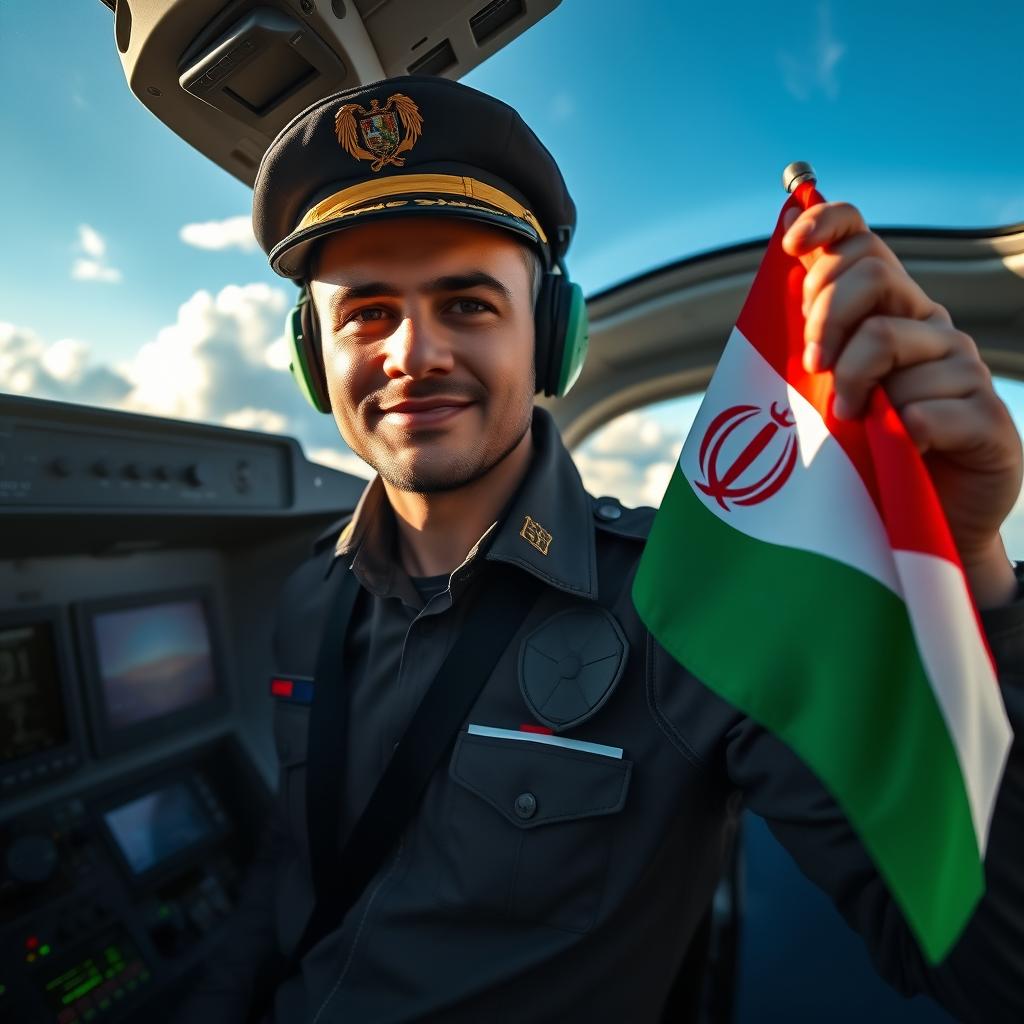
(870, 323)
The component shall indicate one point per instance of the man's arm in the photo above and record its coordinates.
(982, 979)
(870, 325)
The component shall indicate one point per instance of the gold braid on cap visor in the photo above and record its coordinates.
(350, 202)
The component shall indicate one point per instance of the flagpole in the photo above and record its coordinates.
(796, 174)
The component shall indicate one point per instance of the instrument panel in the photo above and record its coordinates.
(136, 758)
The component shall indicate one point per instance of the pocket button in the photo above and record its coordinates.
(525, 805)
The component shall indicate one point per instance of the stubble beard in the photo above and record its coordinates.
(440, 476)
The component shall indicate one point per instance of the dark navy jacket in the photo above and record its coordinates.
(551, 882)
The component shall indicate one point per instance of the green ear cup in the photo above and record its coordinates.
(301, 355)
(576, 341)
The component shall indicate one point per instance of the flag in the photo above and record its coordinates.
(802, 568)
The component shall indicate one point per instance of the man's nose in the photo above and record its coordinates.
(417, 348)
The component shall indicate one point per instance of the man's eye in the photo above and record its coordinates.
(469, 306)
(368, 315)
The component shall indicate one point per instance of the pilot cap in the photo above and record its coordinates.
(410, 146)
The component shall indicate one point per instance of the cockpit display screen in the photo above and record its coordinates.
(153, 660)
(32, 713)
(154, 827)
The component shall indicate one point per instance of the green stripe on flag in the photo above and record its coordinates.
(824, 657)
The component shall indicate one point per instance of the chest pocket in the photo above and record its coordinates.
(530, 830)
(291, 738)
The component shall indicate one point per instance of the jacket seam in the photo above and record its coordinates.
(662, 720)
(359, 932)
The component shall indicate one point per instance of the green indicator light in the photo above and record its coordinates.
(3, 990)
(86, 986)
(44, 950)
(164, 911)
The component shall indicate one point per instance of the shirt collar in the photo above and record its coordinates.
(547, 529)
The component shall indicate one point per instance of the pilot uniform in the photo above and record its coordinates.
(558, 865)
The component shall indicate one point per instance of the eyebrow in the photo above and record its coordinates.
(448, 283)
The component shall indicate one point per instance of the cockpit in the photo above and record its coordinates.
(159, 478)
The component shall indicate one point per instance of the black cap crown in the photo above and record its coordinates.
(409, 146)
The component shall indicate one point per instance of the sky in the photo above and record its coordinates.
(130, 277)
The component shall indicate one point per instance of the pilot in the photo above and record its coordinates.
(562, 849)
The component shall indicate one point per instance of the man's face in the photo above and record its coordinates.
(427, 334)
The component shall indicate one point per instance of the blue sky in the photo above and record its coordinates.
(671, 122)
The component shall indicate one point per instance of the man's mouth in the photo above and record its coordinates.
(424, 412)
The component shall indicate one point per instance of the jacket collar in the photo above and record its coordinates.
(547, 530)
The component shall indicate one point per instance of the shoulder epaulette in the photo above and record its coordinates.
(612, 516)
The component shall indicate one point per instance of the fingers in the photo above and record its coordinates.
(821, 225)
(871, 285)
(881, 346)
(830, 264)
(957, 376)
(954, 426)
(851, 274)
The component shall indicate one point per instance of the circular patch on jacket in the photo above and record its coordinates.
(569, 666)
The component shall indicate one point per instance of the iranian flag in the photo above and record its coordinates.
(802, 568)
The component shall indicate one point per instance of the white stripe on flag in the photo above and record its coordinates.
(961, 675)
(551, 741)
(823, 498)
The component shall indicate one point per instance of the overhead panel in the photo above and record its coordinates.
(227, 77)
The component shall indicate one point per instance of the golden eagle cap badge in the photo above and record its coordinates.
(378, 126)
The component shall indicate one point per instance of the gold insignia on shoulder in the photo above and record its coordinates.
(533, 532)
(378, 127)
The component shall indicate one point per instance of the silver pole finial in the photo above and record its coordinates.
(797, 173)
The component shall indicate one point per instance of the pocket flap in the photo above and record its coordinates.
(532, 784)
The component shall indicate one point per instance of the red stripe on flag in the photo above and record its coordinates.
(878, 445)
(542, 729)
(772, 321)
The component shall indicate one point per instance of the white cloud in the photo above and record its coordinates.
(230, 233)
(212, 360)
(346, 461)
(631, 457)
(92, 264)
(91, 242)
(219, 362)
(62, 370)
(813, 69)
(93, 270)
(268, 420)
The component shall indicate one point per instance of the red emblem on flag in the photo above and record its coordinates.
(734, 483)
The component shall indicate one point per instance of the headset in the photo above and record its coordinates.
(562, 339)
